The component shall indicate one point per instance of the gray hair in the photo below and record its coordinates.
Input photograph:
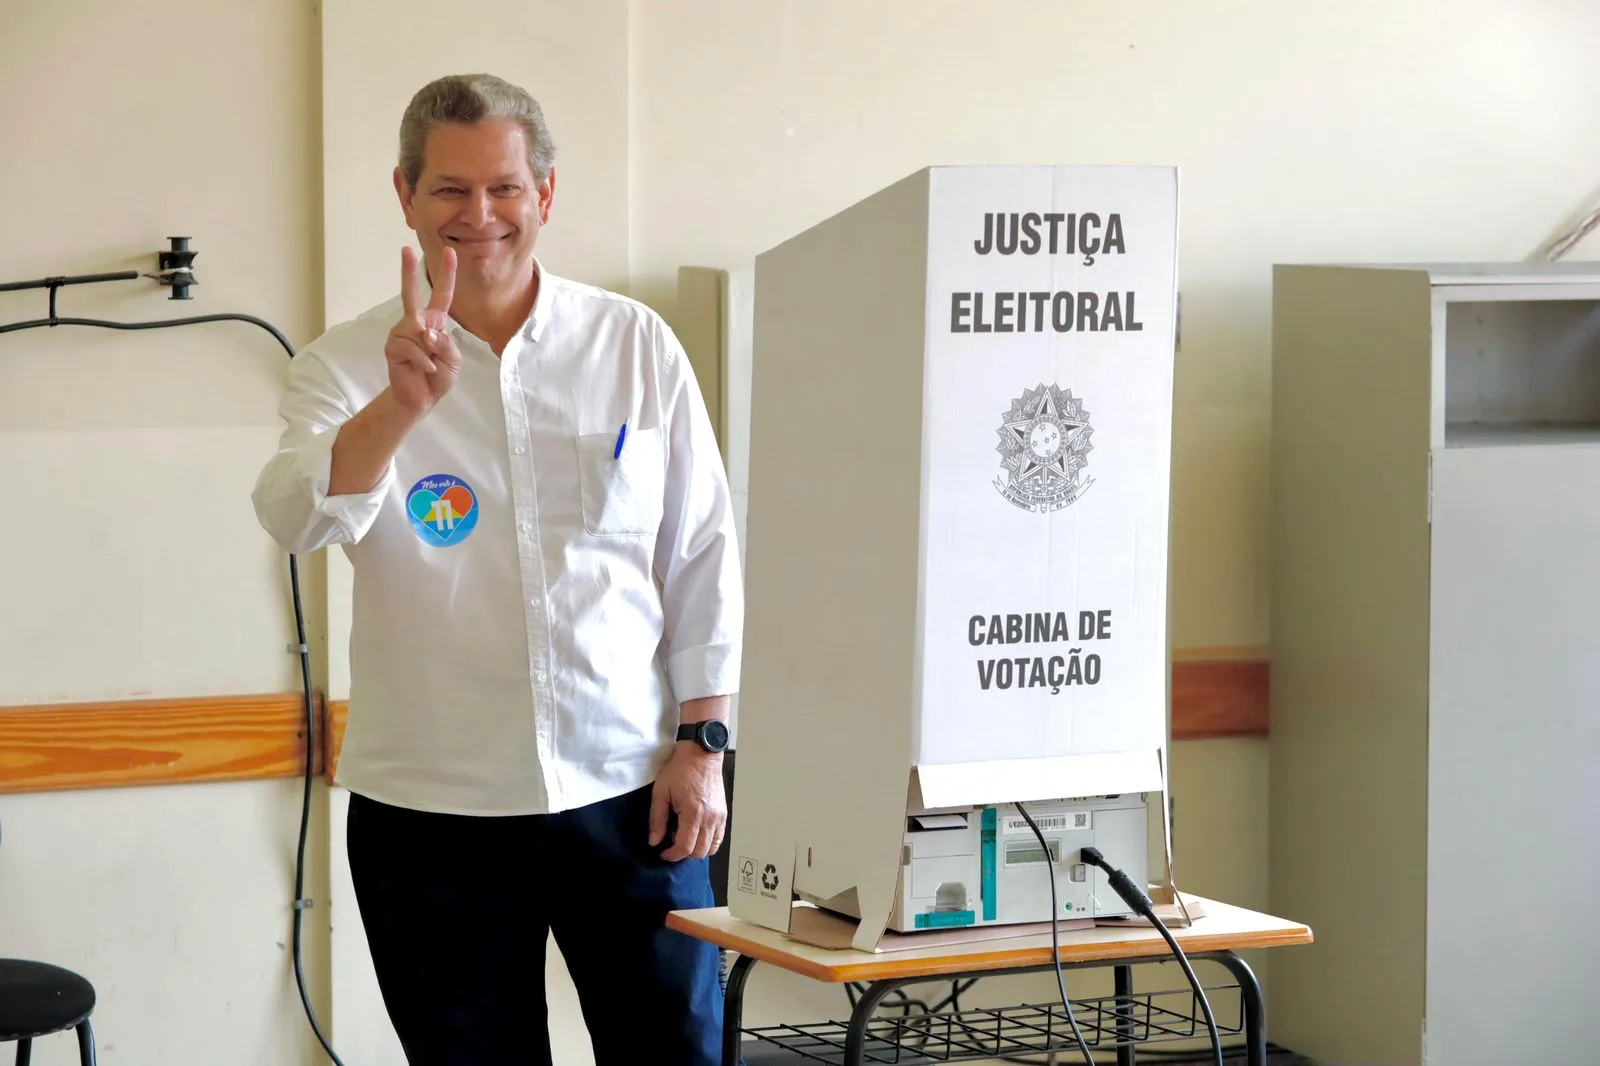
(470, 98)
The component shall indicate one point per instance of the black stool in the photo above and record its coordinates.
(37, 999)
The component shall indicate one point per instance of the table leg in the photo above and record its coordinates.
(855, 1037)
(1122, 976)
(1255, 1010)
(733, 1011)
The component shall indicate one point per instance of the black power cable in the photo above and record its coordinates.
(1135, 897)
(1055, 933)
(301, 903)
(1131, 894)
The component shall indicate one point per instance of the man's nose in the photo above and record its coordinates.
(479, 210)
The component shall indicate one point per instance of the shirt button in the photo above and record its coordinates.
(518, 449)
(527, 526)
(539, 677)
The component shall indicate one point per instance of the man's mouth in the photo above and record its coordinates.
(478, 240)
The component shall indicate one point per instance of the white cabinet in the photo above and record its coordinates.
(1435, 728)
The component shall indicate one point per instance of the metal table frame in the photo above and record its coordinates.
(1120, 1022)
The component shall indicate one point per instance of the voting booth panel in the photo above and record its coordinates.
(956, 558)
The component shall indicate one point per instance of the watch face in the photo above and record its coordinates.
(716, 735)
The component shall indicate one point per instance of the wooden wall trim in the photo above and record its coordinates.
(152, 742)
(1220, 692)
(1216, 692)
(338, 714)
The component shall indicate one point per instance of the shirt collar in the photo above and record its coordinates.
(543, 303)
(537, 319)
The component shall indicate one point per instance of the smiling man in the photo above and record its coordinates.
(547, 614)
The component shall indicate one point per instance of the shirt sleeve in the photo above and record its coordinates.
(291, 494)
(697, 551)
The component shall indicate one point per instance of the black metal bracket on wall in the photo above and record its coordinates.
(174, 268)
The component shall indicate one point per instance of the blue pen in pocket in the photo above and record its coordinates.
(621, 435)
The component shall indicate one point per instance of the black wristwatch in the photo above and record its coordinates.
(711, 735)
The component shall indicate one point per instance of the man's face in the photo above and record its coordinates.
(476, 194)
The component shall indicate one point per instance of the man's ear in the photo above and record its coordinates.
(405, 193)
(547, 194)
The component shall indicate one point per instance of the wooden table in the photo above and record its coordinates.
(1121, 1021)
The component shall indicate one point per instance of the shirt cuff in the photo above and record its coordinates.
(354, 511)
(708, 670)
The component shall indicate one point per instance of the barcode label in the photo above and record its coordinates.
(1074, 821)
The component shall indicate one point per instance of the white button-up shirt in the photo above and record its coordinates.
(546, 569)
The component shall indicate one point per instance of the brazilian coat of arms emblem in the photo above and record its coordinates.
(1044, 448)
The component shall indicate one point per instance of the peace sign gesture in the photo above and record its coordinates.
(424, 361)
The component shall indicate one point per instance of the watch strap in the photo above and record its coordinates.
(698, 732)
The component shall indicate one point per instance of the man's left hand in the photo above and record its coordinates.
(690, 785)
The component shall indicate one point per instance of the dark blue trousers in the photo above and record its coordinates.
(457, 910)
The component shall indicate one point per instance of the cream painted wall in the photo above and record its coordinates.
(1334, 129)
(377, 53)
(133, 563)
(1356, 129)
(689, 133)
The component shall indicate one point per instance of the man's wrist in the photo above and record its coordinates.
(708, 736)
(397, 410)
(691, 752)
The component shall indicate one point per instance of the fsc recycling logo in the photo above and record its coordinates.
(748, 874)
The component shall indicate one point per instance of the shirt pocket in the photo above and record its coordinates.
(622, 495)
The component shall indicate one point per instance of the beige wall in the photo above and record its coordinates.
(1358, 129)
(134, 565)
(377, 53)
(689, 133)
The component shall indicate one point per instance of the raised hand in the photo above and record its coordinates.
(424, 361)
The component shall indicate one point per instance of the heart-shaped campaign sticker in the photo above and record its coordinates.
(444, 510)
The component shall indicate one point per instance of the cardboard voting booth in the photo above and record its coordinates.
(956, 556)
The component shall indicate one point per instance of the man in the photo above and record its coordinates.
(547, 615)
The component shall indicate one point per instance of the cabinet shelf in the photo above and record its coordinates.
(1519, 371)
(1521, 434)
